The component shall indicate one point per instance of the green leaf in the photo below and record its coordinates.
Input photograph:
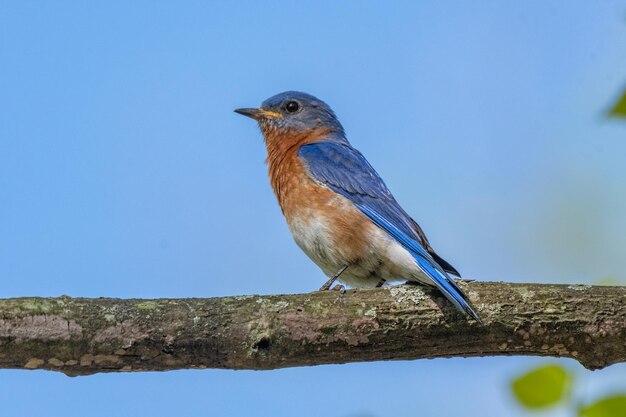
(620, 108)
(543, 387)
(606, 407)
(611, 281)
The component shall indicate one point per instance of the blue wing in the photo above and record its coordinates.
(344, 170)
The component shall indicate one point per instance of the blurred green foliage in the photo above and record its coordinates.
(620, 107)
(614, 406)
(551, 385)
(543, 387)
(610, 281)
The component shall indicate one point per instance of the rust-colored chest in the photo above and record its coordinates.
(295, 190)
(325, 224)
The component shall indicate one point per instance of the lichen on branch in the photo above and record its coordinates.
(79, 336)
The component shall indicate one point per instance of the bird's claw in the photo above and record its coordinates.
(339, 288)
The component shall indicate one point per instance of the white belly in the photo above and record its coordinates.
(383, 259)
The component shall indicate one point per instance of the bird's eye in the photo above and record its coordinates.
(292, 106)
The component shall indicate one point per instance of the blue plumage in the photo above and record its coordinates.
(346, 171)
(426, 263)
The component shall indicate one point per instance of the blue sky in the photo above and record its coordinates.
(125, 173)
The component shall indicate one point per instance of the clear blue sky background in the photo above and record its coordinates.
(125, 173)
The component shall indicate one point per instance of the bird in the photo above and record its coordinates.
(337, 207)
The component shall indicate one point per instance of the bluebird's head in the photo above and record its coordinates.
(294, 112)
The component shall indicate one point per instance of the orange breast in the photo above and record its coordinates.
(337, 229)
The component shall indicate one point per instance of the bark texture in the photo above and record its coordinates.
(79, 336)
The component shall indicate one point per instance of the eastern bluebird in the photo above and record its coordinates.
(338, 209)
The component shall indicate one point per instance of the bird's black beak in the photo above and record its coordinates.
(255, 114)
(258, 114)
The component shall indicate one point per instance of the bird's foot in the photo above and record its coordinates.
(327, 285)
(330, 282)
(339, 288)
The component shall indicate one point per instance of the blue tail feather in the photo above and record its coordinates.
(426, 263)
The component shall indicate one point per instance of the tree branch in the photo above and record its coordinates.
(79, 336)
